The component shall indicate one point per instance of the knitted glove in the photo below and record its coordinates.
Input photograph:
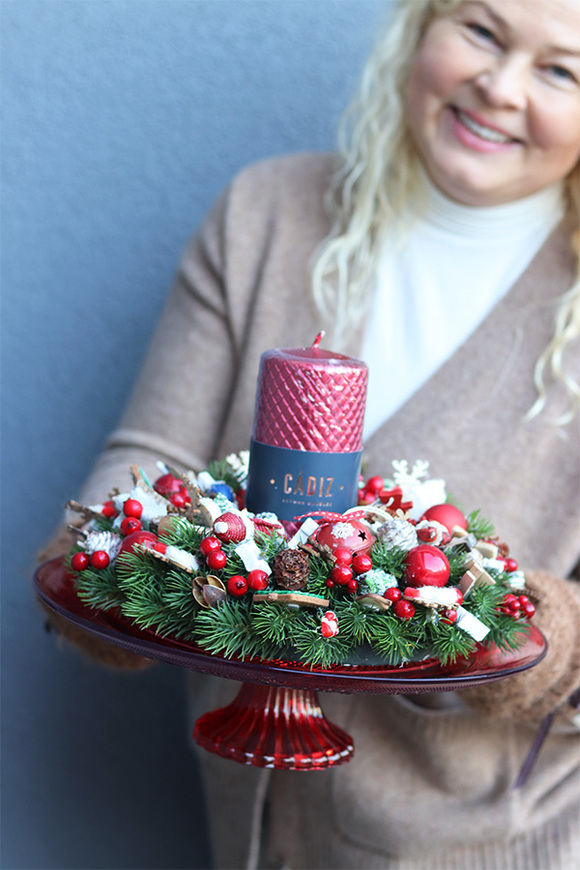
(534, 693)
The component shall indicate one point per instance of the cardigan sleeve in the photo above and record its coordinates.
(548, 686)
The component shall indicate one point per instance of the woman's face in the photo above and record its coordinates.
(493, 100)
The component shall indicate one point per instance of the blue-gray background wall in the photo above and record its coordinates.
(121, 121)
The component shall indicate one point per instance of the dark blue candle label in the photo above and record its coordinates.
(294, 482)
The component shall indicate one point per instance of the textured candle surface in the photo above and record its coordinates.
(307, 441)
(310, 399)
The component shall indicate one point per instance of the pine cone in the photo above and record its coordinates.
(291, 569)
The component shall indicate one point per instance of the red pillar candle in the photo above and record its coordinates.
(307, 439)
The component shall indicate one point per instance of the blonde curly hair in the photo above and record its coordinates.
(379, 175)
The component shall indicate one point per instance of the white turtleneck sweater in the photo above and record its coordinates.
(436, 287)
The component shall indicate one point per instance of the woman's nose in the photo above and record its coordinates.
(504, 84)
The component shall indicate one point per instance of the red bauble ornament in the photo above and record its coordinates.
(80, 561)
(132, 508)
(345, 534)
(403, 609)
(216, 560)
(257, 580)
(130, 525)
(426, 566)
(362, 563)
(100, 559)
(145, 539)
(237, 585)
(209, 545)
(446, 514)
(167, 484)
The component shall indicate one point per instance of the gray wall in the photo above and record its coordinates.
(121, 121)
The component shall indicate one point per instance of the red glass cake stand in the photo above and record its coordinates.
(276, 719)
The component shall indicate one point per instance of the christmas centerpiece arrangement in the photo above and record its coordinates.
(285, 553)
(401, 576)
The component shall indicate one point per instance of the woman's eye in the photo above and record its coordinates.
(481, 31)
(561, 73)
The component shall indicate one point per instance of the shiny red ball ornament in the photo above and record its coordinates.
(167, 484)
(403, 609)
(145, 539)
(237, 585)
(130, 525)
(80, 561)
(257, 580)
(216, 560)
(100, 559)
(345, 533)
(132, 508)
(208, 545)
(362, 563)
(426, 566)
(446, 514)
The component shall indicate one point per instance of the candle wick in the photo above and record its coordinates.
(318, 339)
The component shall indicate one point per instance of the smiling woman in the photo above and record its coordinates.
(494, 99)
(439, 245)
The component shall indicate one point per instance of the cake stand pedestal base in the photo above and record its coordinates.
(276, 727)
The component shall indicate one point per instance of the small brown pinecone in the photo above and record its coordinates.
(291, 569)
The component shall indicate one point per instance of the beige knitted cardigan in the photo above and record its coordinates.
(430, 784)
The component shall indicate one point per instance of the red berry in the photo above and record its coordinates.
(178, 499)
(330, 583)
(132, 508)
(80, 561)
(109, 510)
(404, 609)
(352, 586)
(449, 616)
(237, 585)
(341, 574)
(257, 580)
(130, 525)
(393, 593)
(216, 560)
(343, 556)
(100, 559)
(375, 484)
(367, 497)
(209, 545)
(362, 563)
(528, 610)
(511, 565)
(524, 599)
